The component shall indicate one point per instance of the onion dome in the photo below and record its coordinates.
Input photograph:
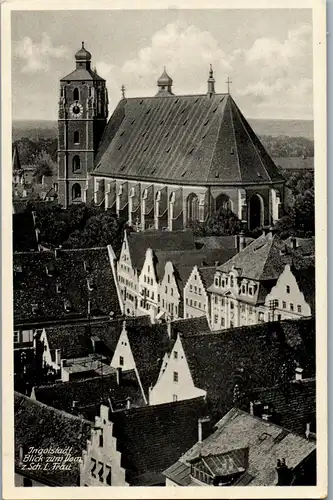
(82, 54)
(164, 79)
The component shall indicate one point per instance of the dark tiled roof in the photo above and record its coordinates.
(148, 345)
(42, 427)
(82, 74)
(306, 280)
(264, 441)
(193, 139)
(305, 246)
(249, 356)
(293, 405)
(153, 437)
(294, 163)
(218, 242)
(157, 240)
(207, 275)
(73, 341)
(20, 205)
(16, 164)
(24, 233)
(90, 393)
(32, 284)
(261, 260)
(191, 326)
(184, 261)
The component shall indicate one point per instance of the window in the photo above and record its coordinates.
(166, 289)
(195, 276)
(76, 164)
(195, 303)
(222, 283)
(175, 376)
(148, 269)
(216, 282)
(76, 191)
(284, 305)
(195, 289)
(76, 137)
(162, 302)
(158, 298)
(190, 302)
(215, 319)
(186, 300)
(231, 305)
(243, 289)
(288, 289)
(76, 94)
(175, 355)
(215, 299)
(152, 295)
(299, 309)
(121, 360)
(175, 398)
(168, 278)
(222, 322)
(108, 475)
(199, 305)
(171, 292)
(100, 471)
(144, 278)
(16, 337)
(291, 306)
(250, 310)
(243, 308)
(231, 281)
(190, 288)
(231, 324)
(222, 301)
(101, 440)
(93, 466)
(250, 290)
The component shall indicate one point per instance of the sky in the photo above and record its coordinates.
(266, 53)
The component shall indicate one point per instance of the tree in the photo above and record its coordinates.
(224, 222)
(45, 166)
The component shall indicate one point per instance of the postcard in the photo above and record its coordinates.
(164, 257)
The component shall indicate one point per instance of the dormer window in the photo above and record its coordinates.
(250, 290)
(217, 281)
(67, 305)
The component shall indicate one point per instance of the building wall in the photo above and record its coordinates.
(127, 279)
(291, 301)
(101, 465)
(166, 388)
(148, 286)
(123, 357)
(196, 300)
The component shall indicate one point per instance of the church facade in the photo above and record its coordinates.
(165, 161)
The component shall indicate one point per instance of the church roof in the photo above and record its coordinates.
(16, 164)
(196, 139)
(82, 74)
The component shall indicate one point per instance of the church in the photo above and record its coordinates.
(163, 161)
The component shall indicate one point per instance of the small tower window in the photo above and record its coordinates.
(76, 137)
(76, 191)
(76, 163)
(76, 94)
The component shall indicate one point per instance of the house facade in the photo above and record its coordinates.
(196, 297)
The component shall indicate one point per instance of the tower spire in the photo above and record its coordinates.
(211, 81)
(123, 88)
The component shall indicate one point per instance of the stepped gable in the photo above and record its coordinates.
(249, 442)
(44, 427)
(248, 356)
(197, 139)
(138, 243)
(169, 430)
(90, 393)
(51, 279)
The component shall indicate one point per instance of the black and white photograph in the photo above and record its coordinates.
(163, 243)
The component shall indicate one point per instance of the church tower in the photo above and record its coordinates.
(83, 113)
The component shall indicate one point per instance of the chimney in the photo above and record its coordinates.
(55, 187)
(128, 403)
(293, 242)
(58, 357)
(307, 430)
(251, 408)
(266, 414)
(74, 406)
(284, 473)
(242, 241)
(56, 253)
(204, 428)
(119, 375)
(298, 373)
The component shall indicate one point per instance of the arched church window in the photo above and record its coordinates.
(76, 163)
(76, 191)
(76, 137)
(76, 94)
(192, 207)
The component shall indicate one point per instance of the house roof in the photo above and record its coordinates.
(44, 427)
(207, 275)
(183, 261)
(24, 233)
(153, 437)
(306, 246)
(16, 164)
(83, 275)
(195, 139)
(292, 405)
(82, 74)
(264, 259)
(306, 280)
(235, 357)
(73, 341)
(139, 242)
(219, 242)
(89, 393)
(266, 442)
(109, 331)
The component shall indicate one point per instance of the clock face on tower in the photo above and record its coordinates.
(76, 110)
